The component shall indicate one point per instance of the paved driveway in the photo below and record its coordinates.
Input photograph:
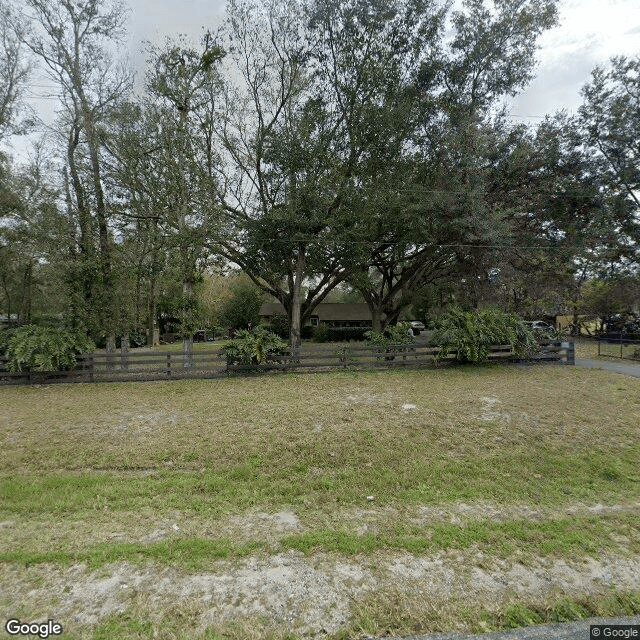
(565, 631)
(627, 369)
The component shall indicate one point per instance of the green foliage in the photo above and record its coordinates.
(254, 347)
(136, 339)
(397, 334)
(566, 611)
(471, 334)
(345, 334)
(517, 615)
(280, 326)
(41, 348)
(391, 339)
(321, 333)
(242, 310)
(5, 336)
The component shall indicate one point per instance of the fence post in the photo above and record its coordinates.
(293, 360)
(91, 368)
(569, 347)
(124, 353)
(168, 365)
(620, 346)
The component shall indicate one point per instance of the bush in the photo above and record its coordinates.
(388, 340)
(280, 326)
(5, 336)
(345, 334)
(471, 334)
(254, 347)
(41, 348)
(321, 333)
(242, 310)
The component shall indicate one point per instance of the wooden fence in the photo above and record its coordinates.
(165, 365)
(621, 347)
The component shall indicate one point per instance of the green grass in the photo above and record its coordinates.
(175, 347)
(568, 538)
(214, 491)
(88, 471)
(192, 554)
(382, 614)
(320, 442)
(393, 614)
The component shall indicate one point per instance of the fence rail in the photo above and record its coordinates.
(619, 348)
(168, 365)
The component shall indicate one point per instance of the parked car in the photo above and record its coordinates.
(542, 330)
(539, 325)
(417, 327)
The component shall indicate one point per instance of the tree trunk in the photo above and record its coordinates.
(111, 351)
(576, 320)
(124, 351)
(85, 242)
(151, 321)
(151, 326)
(296, 297)
(5, 287)
(187, 321)
(24, 307)
(376, 318)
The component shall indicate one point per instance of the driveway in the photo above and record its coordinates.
(626, 369)
(565, 631)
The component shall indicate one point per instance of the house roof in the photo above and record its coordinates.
(328, 311)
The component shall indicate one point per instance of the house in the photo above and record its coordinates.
(334, 314)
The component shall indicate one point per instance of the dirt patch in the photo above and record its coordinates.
(314, 594)
(307, 594)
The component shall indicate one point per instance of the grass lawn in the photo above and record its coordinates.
(510, 464)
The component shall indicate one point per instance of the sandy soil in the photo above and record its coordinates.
(315, 594)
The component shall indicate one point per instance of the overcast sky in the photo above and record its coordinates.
(589, 33)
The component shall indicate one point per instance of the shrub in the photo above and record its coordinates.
(388, 341)
(280, 326)
(471, 334)
(242, 310)
(321, 333)
(254, 347)
(345, 334)
(41, 348)
(5, 336)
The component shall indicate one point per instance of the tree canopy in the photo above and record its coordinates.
(316, 145)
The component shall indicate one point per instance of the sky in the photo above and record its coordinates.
(589, 33)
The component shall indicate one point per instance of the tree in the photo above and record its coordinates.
(32, 232)
(184, 84)
(73, 40)
(605, 298)
(317, 100)
(610, 118)
(436, 207)
(14, 70)
(242, 310)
